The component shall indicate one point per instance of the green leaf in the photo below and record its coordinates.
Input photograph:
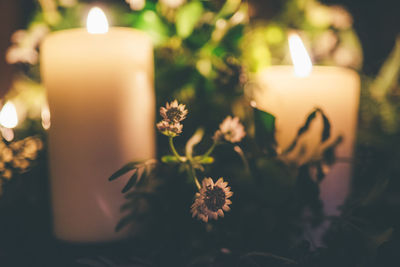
(383, 237)
(149, 22)
(230, 7)
(187, 18)
(126, 168)
(388, 74)
(131, 182)
(326, 132)
(169, 159)
(124, 222)
(328, 155)
(265, 130)
(320, 172)
(204, 160)
(306, 126)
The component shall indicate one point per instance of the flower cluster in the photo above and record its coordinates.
(17, 156)
(172, 114)
(212, 200)
(25, 45)
(230, 130)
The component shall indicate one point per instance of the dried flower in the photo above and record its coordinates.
(136, 4)
(6, 174)
(230, 130)
(6, 154)
(173, 112)
(171, 129)
(20, 163)
(31, 147)
(212, 200)
(18, 155)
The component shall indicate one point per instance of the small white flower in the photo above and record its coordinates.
(136, 4)
(16, 54)
(341, 18)
(347, 57)
(230, 130)
(325, 43)
(18, 36)
(212, 200)
(171, 129)
(173, 3)
(25, 43)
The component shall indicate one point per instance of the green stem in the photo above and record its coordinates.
(242, 157)
(195, 178)
(171, 145)
(210, 150)
(191, 172)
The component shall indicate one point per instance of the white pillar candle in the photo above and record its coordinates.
(101, 100)
(290, 95)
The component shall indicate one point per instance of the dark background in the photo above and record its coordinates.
(377, 23)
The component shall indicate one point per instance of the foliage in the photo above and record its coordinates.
(203, 53)
(326, 30)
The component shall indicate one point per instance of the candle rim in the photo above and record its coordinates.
(316, 68)
(57, 33)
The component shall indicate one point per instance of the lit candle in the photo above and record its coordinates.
(8, 121)
(101, 100)
(291, 93)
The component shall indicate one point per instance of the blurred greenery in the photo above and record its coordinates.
(204, 52)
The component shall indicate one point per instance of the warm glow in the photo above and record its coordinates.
(8, 134)
(45, 114)
(8, 115)
(300, 58)
(97, 21)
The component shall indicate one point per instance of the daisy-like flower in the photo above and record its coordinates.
(230, 130)
(173, 112)
(171, 129)
(212, 200)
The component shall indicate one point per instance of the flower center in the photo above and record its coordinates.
(215, 198)
(174, 114)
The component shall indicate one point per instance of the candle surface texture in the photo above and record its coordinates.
(291, 99)
(101, 101)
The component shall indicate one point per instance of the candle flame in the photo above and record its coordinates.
(96, 21)
(45, 114)
(8, 115)
(301, 61)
